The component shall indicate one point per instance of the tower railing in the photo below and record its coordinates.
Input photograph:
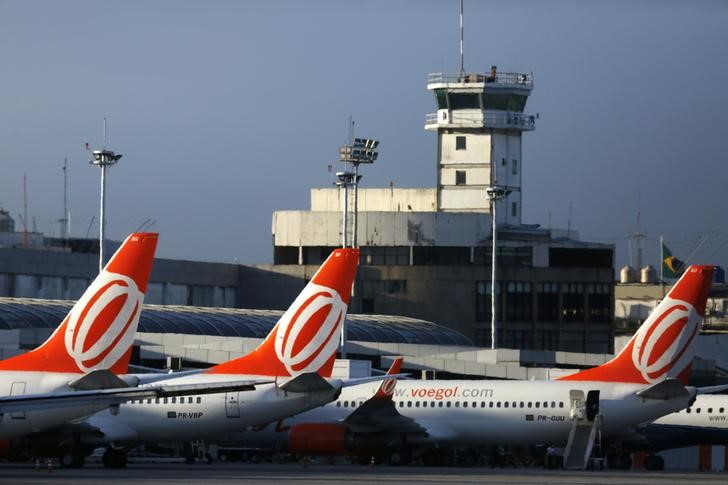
(517, 78)
(489, 119)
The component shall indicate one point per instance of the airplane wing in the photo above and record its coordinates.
(117, 395)
(667, 389)
(379, 413)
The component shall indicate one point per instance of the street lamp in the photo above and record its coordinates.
(495, 193)
(103, 158)
(361, 150)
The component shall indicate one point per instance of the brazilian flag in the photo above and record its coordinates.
(671, 266)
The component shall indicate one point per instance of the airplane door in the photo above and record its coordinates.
(577, 407)
(592, 404)
(17, 389)
(231, 405)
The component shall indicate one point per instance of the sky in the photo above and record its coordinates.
(226, 111)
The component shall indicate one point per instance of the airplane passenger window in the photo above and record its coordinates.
(697, 410)
(490, 404)
(417, 404)
(338, 403)
(401, 404)
(346, 404)
(149, 401)
(409, 404)
(710, 410)
(457, 404)
(482, 404)
(432, 404)
(553, 404)
(521, 404)
(475, 404)
(545, 404)
(497, 404)
(561, 404)
(439, 405)
(448, 404)
(174, 400)
(529, 404)
(689, 410)
(189, 400)
(538, 404)
(165, 400)
(465, 404)
(514, 404)
(199, 399)
(505, 404)
(156, 401)
(720, 410)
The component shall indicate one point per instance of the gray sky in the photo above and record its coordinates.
(226, 111)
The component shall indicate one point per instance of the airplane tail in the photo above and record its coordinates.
(663, 345)
(386, 388)
(306, 337)
(99, 331)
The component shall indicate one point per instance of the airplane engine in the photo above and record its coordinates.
(334, 439)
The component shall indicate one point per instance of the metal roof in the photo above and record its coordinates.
(19, 313)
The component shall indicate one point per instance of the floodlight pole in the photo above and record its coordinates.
(103, 158)
(354, 239)
(494, 193)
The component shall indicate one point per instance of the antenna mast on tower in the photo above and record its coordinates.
(462, 56)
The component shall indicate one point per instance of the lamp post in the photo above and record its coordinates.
(103, 158)
(495, 193)
(361, 150)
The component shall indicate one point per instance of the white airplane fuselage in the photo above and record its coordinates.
(30, 382)
(201, 417)
(485, 412)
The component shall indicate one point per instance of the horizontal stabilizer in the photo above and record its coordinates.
(97, 379)
(712, 389)
(667, 389)
(307, 382)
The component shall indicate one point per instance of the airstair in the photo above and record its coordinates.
(585, 426)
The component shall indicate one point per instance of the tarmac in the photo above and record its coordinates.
(225, 473)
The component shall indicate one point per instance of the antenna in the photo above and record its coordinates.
(568, 224)
(25, 210)
(462, 57)
(639, 235)
(64, 219)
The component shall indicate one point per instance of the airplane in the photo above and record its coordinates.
(291, 370)
(72, 374)
(704, 422)
(643, 382)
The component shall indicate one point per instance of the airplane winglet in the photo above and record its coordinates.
(386, 388)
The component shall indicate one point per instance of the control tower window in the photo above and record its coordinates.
(460, 143)
(515, 167)
(465, 101)
(514, 209)
(459, 177)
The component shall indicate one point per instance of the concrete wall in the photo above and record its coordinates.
(385, 200)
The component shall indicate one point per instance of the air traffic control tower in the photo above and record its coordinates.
(479, 123)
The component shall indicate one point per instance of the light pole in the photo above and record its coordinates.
(494, 193)
(361, 150)
(103, 158)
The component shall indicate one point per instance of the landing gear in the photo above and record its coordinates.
(619, 460)
(654, 463)
(401, 457)
(72, 459)
(114, 458)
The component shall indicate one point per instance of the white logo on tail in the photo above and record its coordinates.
(388, 386)
(661, 346)
(305, 320)
(118, 335)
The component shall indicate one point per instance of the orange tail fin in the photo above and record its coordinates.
(386, 388)
(663, 345)
(99, 330)
(306, 337)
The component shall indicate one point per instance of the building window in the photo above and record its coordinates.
(367, 305)
(384, 255)
(519, 301)
(459, 177)
(548, 302)
(460, 143)
(514, 209)
(507, 256)
(573, 310)
(482, 303)
(600, 302)
(515, 167)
